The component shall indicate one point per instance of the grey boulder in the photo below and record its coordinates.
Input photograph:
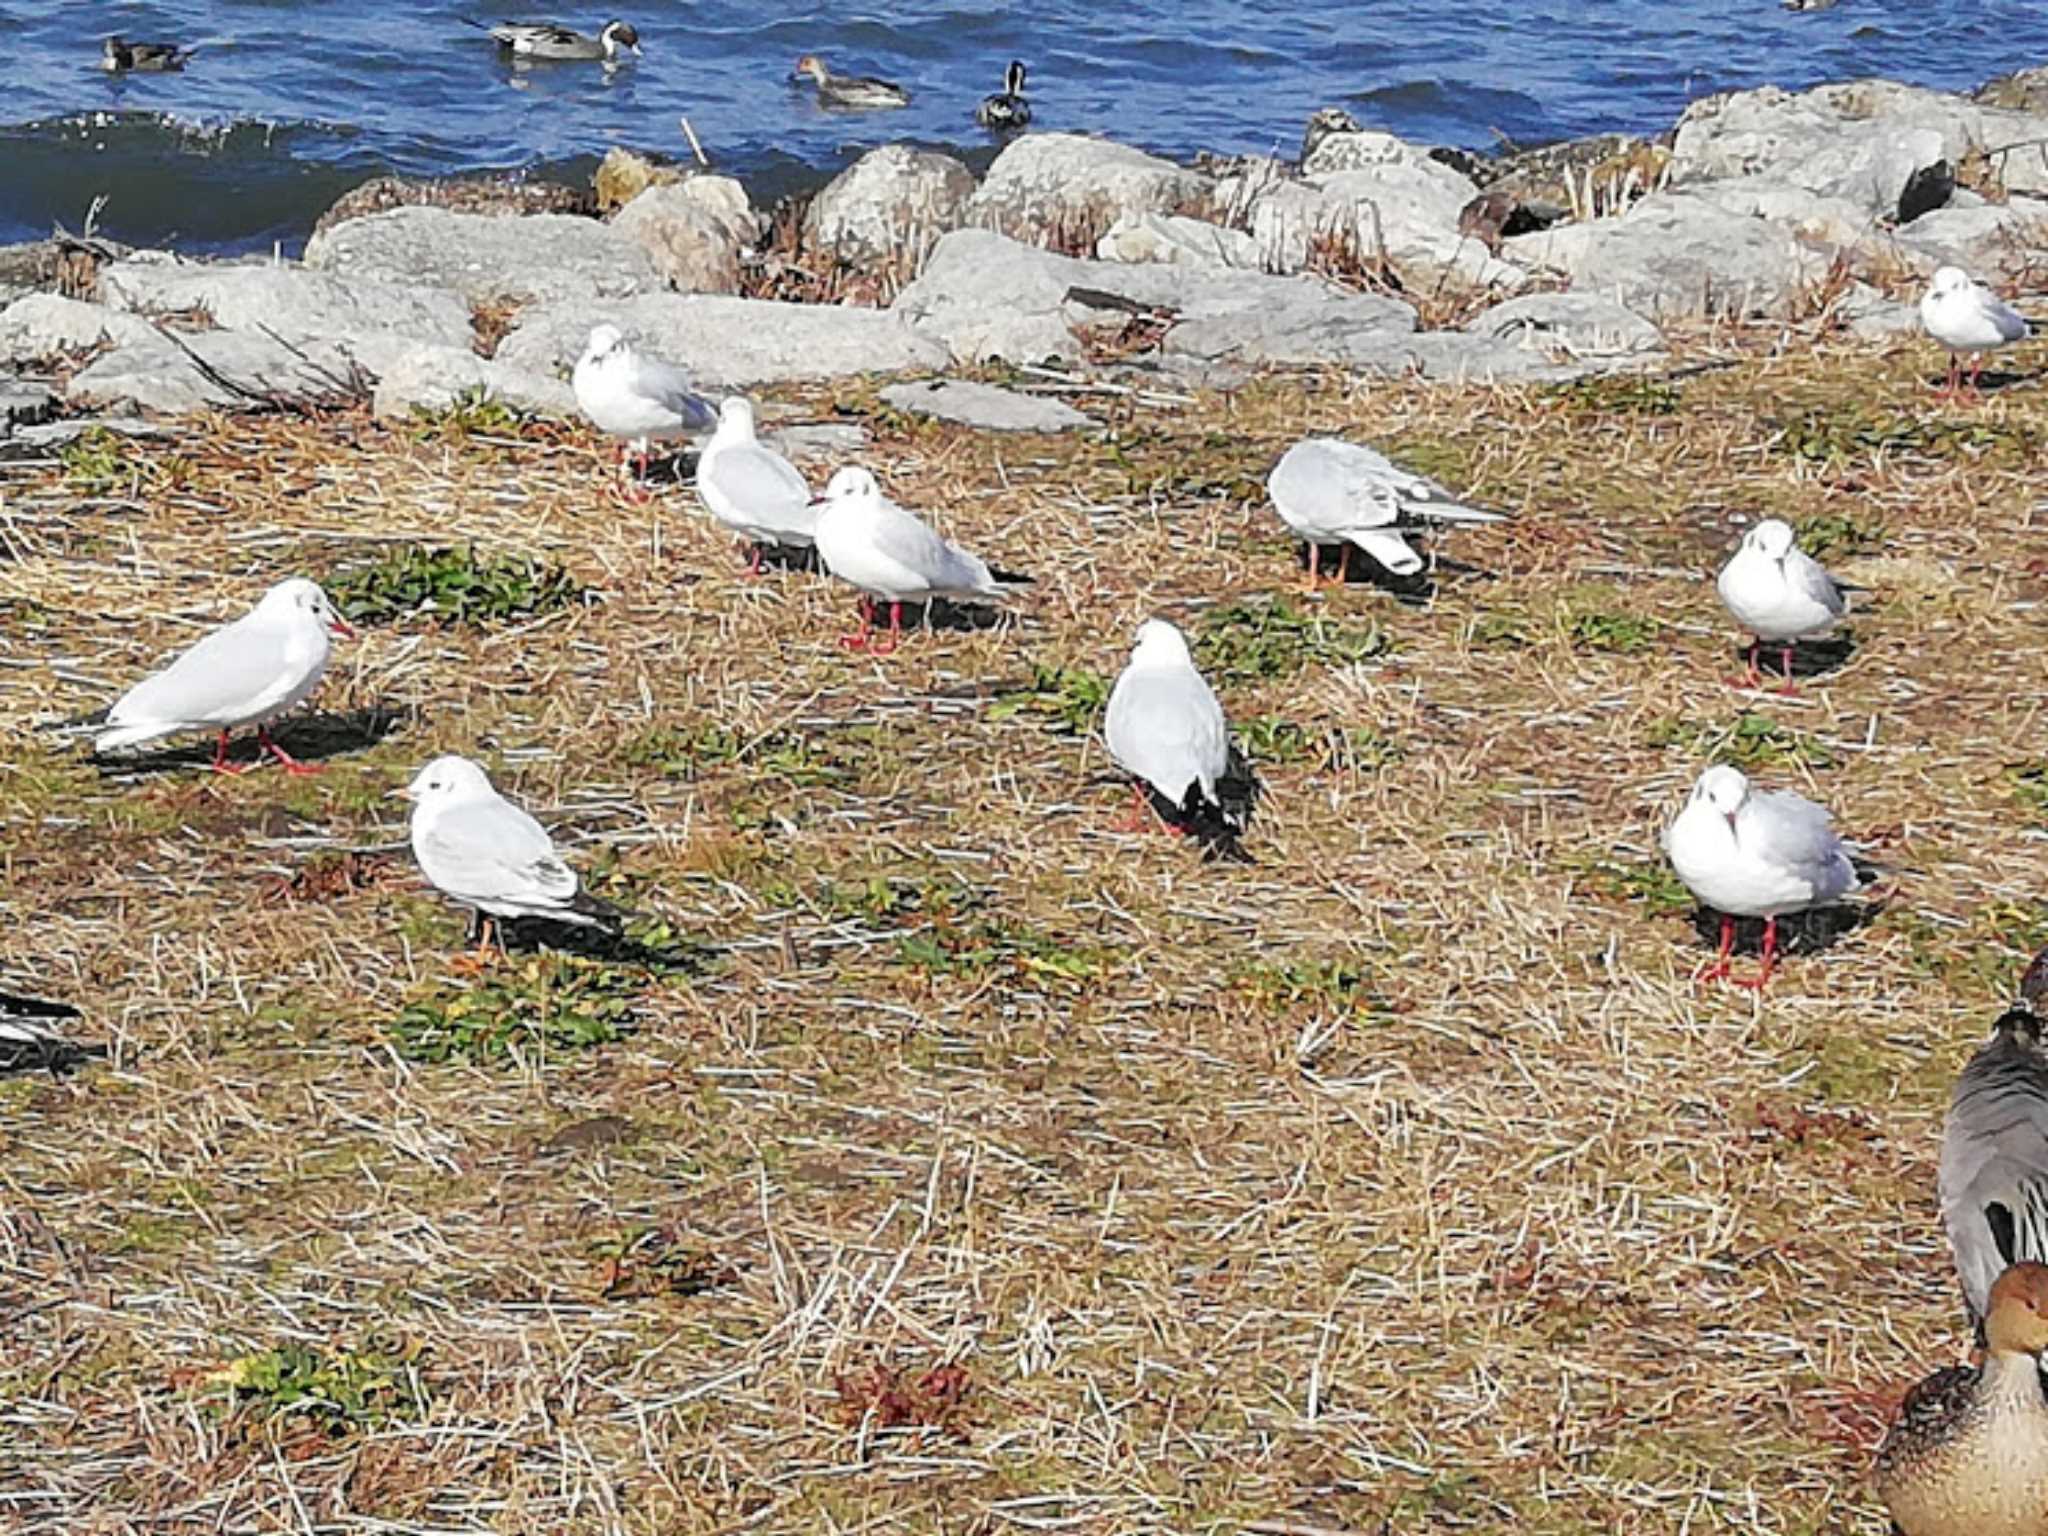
(1067, 187)
(159, 375)
(546, 259)
(1582, 326)
(727, 340)
(891, 200)
(433, 378)
(1178, 241)
(289, 302)
(37, 326)
(693, 231)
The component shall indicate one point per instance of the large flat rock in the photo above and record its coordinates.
(1066, 185)
(983, 296)
(158, 375)
(730, 341)
(984, 406)
(432, 378)
(292, 302)
(37, 326)
(546, 259)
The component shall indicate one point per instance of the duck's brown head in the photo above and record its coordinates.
(812, 66)
(2016, 1320)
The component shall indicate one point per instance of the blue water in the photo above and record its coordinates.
(290, 103)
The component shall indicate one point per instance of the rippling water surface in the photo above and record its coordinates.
(289, 103)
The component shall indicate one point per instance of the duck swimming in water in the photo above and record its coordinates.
(1007, 110)
(850, 90)
(545, 41)
(119, 56)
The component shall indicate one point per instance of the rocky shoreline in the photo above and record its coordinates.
(1829, 205)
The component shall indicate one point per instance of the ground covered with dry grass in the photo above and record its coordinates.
(941, 1158)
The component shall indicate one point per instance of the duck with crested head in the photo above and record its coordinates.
(1007, 110)
(858, 92)
(1968, 1455)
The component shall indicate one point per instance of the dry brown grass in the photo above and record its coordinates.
(994, 1171)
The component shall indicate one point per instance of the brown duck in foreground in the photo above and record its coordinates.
(1969, 1453)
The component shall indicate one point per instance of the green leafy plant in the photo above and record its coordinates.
(1254, 640)
(1619, 394)
(337, 1390)
(458, 585)
(476, 412)
(96, 463)
(2030, 787)
(1620, 634)
(994, 947)
(538, 1004)
(1294, 984)
(1068, 698)
(1830, 534)
(1753, 741)
(1652, 882)
(1857, 429)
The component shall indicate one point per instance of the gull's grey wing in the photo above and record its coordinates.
(2012, 325)
(1167, 728)
(656, 380)
(493, 851)
(764, 487)
(900, 536)
(1325, 489)
(1808, 576)
(1790, 831)
(1993, 1180)
(230, 674)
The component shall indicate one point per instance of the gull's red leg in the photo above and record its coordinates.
(1762, 978)
(895, 628)
(1789, 686)
(1315, 559)
(220, 759)
(859, 642)
(1343, 564)
(1715, 969)
(754, 565)
(285, 760)
(1753, 677)
(1134, 818)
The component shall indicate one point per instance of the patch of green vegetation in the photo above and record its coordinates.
(1617, 633)
(1832, 535)
(1500, 632)
(1653, 883)
(989, 947)
(476, 412)
(1205, 467)
(877, 899)
(538, 1004)
(1270, 739)
(458, 585)
(96, 463)
(1858, 428)
(1619, 394)
(1752, 742)
(1066, 698)
(685, 752)
(340, 1391)
(1294, 984)
(1253, 640)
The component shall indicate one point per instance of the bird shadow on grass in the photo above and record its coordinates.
(313, 738)
(1810, 658)
(1990, 382)
(1799, 933)
(1418, 590)
(954, 618)
(1218, 830)
(529, 935)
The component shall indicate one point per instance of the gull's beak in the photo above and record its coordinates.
(1731, 821)
(341, 626)
(403, 792)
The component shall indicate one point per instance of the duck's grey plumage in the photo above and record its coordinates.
(1993, 1180)
(1007, 109)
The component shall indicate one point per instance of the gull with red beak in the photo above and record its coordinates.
(246, 673)
(1746, 852)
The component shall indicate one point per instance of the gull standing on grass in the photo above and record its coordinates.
(1964, 316)
(1778, 593)
(753, 490)
(640, 398)
(1993, 1182)
(247, 673)
(1164, 726)
(478, 847)
(1334, 492)
(1745, 852)
(869, 542)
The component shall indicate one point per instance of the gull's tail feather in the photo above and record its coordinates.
(14, 1006)
(91, 720)
(1389, 549)
(1003, 578)
(136, 734)
(596, 912)
(28, 1047)
(1458, 512)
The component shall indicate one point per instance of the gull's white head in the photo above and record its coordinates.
(1772, 538)
(736, 416)
(1724, 788)
(1949, 280)
(447, 779)
(604, 341)
(850, 484)
(1160, 643)
(296, 599)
